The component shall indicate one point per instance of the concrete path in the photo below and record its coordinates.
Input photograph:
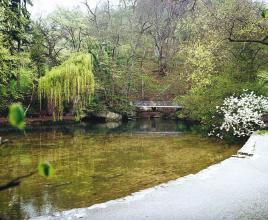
(236, 188)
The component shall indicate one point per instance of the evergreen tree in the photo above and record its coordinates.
(15, 24)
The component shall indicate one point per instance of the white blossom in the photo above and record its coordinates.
(241, 115)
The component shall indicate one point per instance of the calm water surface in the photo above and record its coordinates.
(96, 163)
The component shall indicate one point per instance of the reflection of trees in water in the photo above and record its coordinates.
(155, 125)
(139, 125)
(82, 162)
(92, 168)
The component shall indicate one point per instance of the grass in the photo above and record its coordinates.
(262, 132)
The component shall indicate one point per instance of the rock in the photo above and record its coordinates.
(3, 141)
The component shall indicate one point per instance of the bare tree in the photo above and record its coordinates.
(163, 17)
(52, 38)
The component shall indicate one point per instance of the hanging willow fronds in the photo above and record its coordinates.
(72, 81)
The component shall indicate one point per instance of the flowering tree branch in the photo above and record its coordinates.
(241, 115)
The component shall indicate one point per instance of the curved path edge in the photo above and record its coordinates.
(236, 188)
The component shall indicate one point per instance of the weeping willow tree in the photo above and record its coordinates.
(72, 82)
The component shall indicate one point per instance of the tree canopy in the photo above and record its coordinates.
(72, 81)
(193, 52)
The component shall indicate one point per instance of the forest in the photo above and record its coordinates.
(89, 59)
(181, 85)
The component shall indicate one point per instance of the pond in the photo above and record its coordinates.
(95, 163)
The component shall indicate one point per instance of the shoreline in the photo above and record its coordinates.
(39, 120)
(232, 189)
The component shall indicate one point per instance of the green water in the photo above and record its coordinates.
(96, 163)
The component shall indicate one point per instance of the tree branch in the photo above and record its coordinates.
(249, 41)
(15, 182)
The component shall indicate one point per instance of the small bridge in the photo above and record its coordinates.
(156, 109)
(155, 105)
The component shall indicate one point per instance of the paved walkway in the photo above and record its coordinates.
(236, 188)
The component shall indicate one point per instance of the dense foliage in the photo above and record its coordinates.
(16, 68)
(72, 81)
(194, 52)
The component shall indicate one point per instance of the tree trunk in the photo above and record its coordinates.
(161, 63)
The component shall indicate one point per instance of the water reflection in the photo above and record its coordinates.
(95, 163)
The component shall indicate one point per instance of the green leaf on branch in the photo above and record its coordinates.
(45, 169)
(16, 116)
(265, 13)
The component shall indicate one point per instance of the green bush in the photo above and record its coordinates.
(200, 103)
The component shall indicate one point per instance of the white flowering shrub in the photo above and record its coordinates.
(241, 115)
